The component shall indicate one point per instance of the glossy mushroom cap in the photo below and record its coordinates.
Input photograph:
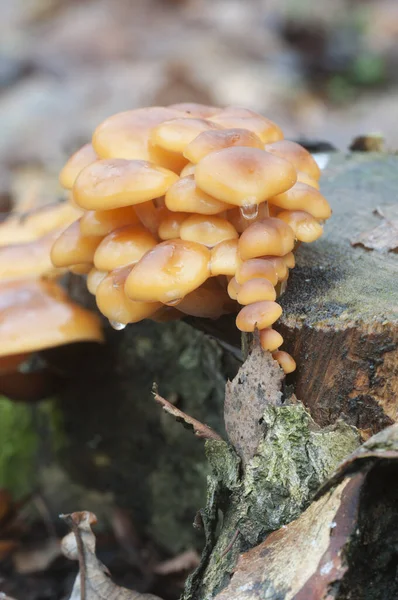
(170, 225)
(77, 162)
(208, 301)
(114, 183)
(30, 259)
(255, 290)
(185, 196)
(169, 272)
(122, 247)
(207, 229)
(286, 362)
(217, 139)
(258, 315)
(176, 134)
(270, 236)
(244, 176)
(37, 314)
(224, 258)
(243, 118)
(300, 158)
(305, 227)
(270, 339)
(303, 197)
(102, 222)
(196, 110)
(73, 248)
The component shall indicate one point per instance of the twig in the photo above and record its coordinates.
(69, 520)
(201, 430)
(231, 543)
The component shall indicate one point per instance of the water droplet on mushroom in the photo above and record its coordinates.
(116, 325)
(249, 211)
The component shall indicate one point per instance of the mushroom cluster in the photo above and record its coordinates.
(35, 311)
(190, 210)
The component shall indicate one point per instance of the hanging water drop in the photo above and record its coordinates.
(116, 325)
(249, 211)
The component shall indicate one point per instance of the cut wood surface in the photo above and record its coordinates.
(340, 318)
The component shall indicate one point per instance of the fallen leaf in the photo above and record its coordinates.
(186, 561)
(93, 581)
(200, 430)
(257, 385)
(384, 237)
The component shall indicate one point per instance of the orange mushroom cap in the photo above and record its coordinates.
(113, 303)
(73, 248)
(113, 183)
(127, 135)
(195, 109)
(217, 139)
(176, 134)
(185, 196)
(102, 222)
(78, 161)
(255, 290)
(122, 247)
(272, 237)
(300, 158)
(37, 314)
(169, 272)
(233, 289)
(256, 268)
(242, 118)
(30, 259)
(303, 197)
(169, 227)
(244, 176)
(305, 178)
(286, 362)
(207, 229)
(270, 339)
(258, 315)
(208, 301)
(94, 278)
(305, 227)
(224, 258)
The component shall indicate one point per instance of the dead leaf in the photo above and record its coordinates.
(381, 238)
(186, 561)
(93, 581)
(257, 384)
(200, 430)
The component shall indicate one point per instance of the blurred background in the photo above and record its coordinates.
(326, 70)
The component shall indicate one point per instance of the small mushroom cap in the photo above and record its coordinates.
(256, 268)
(233, 289)
(122, 247)
(185, 196)
(255, 290)
(30, 259)
(303, 197)
(83, 269)
(208, 301)
(280, 265)
(169, 272)
(224, 258)
(77, 162)
(270, 339)
(300, 158)
(290, 260)
(94, 278)
(102, 222)
(242, 118)
(189, 169)
(207, 229)
(217, 139)
(286, 361)
(36, 224)
(169, 227)
(113, 183)
(73, 248)
(305, 178)
(195, 109)
(37, 314)
(244, 176)
(113, 303)
(258, 315)
(150, 216)
(305, 227)
(27, 387)
(11, 364)
(176, 134)
(127, 135)
(270, 236)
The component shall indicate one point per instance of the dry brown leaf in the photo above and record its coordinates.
(93, 581)
(257, 385)
(200, 430)
(384, 237)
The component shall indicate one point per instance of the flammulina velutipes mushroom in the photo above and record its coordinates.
(191, 210)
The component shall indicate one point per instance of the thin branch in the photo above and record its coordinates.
(200, 430)
(69, 520)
